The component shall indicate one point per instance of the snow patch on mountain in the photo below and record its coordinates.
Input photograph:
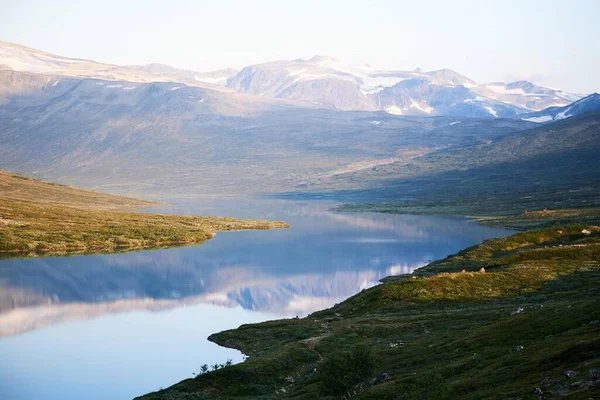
(394, 110)
(491, 111)
(426, 109)
(538, 120)
(562, 115)
(590, 103)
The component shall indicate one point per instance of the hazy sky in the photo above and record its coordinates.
(553, 43)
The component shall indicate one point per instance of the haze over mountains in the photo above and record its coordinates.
(314, 125)
(323, 82)
(331, 83)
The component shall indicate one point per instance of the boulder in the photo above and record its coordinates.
(519, 310)
(382, 378)
(570, 374)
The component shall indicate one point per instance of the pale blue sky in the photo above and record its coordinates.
(554, 43)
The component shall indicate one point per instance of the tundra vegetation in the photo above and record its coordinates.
(38, 218)
(513, 317)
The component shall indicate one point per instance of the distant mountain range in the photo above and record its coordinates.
(269, 128)
(331, 83)
(160, 137)
(322, 82)
(20, 58)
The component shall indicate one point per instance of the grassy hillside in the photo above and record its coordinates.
(553, 167)
(24, 188)
(42, 218)
(515, 317)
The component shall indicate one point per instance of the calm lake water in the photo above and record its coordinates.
(117, 326)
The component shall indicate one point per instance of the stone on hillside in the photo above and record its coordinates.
(570, 374)
(519, 310)
(382, 378)
(586, 232)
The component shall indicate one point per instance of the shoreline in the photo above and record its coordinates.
(479, 298)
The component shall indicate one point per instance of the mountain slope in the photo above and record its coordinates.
(24, 59)
(502, 319)
(551, 166)
(587, 104)
(43, 218)
(23, 188)
(322, 82)
(161, 137)
(318, 80)
(218, 77)
(329, 82)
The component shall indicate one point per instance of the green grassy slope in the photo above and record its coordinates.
(41, 218)
(555, 166)
(24, 188)
(453, 330)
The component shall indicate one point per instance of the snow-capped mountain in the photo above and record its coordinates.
(24, 59)
(551, 114)
(331, 83)
(218, 77)
(525, 94)
(321, 81)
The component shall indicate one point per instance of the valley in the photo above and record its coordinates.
(399, 273)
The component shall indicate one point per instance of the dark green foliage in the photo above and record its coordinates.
(342, 371)
(439, 335)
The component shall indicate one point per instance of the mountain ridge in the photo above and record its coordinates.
(321, 81)
(587, 104)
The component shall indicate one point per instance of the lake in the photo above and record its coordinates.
(120, 325)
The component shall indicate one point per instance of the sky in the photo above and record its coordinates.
(552, 43)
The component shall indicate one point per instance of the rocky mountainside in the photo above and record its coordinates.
(161, 137)
(321, 81)
(218, 77)
(24, 59)
(587, 104)
(328, 82)
(551, 166)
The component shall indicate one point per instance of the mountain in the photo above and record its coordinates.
(218, 77)
(550, 166)
(329, 82)
(273, 129)
(320, 81)
(164, 137)
(20, 58)
(525, 94)
(587, 104)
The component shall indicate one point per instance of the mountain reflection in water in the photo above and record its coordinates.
(322, 259)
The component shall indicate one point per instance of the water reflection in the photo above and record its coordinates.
(324, 258)
(120, 325)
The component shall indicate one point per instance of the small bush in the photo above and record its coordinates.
(340, 372)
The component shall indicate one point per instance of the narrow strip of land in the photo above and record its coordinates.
(38, 218)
